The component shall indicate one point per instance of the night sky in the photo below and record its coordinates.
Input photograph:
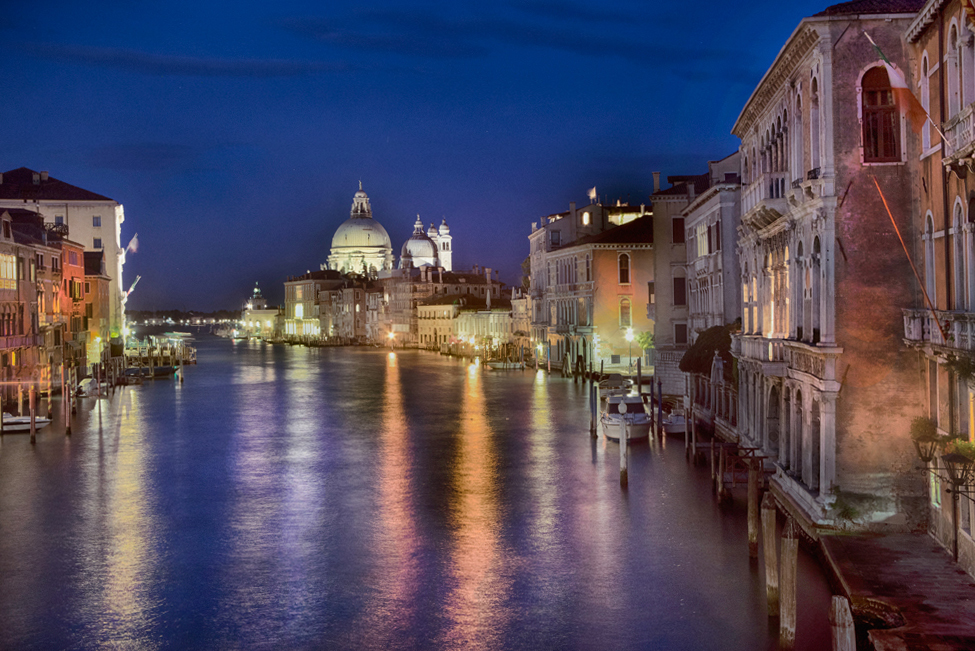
(236, 134)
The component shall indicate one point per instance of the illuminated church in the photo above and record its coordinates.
(361, 245)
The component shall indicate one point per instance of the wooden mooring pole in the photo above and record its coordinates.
(841, 624)
(771, 555)
(624, 432)
(753, 507)
(787, 598)
(32, 405)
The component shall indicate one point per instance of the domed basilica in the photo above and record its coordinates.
(361, 244)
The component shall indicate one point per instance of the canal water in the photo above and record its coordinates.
(353, 498)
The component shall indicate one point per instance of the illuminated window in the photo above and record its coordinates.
(585, 218)
(881, 121)
(8, 272)
(299, 311)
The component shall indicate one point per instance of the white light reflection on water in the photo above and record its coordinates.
(118, 531)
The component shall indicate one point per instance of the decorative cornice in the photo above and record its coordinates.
(924, 18)
(802, 42)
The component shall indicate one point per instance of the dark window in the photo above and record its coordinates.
(881, 125)
(717, 235)
(680, 333)
(678, 230)
(651, 294)
(624, 262)
(556, 238)
(680, 291)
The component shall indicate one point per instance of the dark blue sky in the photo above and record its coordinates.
(235, 134)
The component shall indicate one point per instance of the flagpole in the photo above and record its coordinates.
(927, 299)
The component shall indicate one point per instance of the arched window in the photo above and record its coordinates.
(814, 125)
(816, 289)
(798, 171)
(958, 263)
(625, 320)
(954, 73)
(801, 286)
(881, 123)
(588, 269)
(969, 235)
(925, 103)
(929, 278)
(624, 263)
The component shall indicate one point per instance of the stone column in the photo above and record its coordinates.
(827, 443)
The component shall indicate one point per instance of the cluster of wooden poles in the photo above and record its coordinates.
(780, 553)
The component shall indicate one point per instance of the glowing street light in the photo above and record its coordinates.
(392, 338)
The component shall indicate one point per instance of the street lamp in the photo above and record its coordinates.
(392, 338)
(629, 340)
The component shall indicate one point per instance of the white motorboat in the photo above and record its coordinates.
(625, 413)
(674, 422)
(18, 424)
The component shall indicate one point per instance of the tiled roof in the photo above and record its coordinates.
(855, 7)
(638, 231)
(701, 183)
(19, 184)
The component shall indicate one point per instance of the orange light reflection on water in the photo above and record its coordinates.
(391, 607)
(475, 605)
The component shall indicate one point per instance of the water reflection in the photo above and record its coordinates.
(396, 539)
(475, 605)
(120, 555)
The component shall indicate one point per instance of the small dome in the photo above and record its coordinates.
(419, 248)
(444, 229)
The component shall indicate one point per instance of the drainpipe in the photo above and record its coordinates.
(944, 200)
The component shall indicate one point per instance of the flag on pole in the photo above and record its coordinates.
(592, 194)
(906, 101)
(133, 244)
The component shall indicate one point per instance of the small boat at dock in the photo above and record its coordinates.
(674, 422)
(499, 365)
(625, 413)
(21, 424)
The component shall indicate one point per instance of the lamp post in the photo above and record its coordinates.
(392, 338)
(959, 469)
(629, 341)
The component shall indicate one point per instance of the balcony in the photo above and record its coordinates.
(960, 133)
(920, 327)
(763, 201)
(20, 341)
(772, 353)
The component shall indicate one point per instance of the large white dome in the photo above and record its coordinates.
(360, 232)
(360, 243)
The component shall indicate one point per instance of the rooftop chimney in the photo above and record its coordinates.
(656, 182)
(37, 178)
(44, 175)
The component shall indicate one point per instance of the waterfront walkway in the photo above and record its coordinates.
(909, 586)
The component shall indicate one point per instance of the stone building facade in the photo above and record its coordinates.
(823, 275)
